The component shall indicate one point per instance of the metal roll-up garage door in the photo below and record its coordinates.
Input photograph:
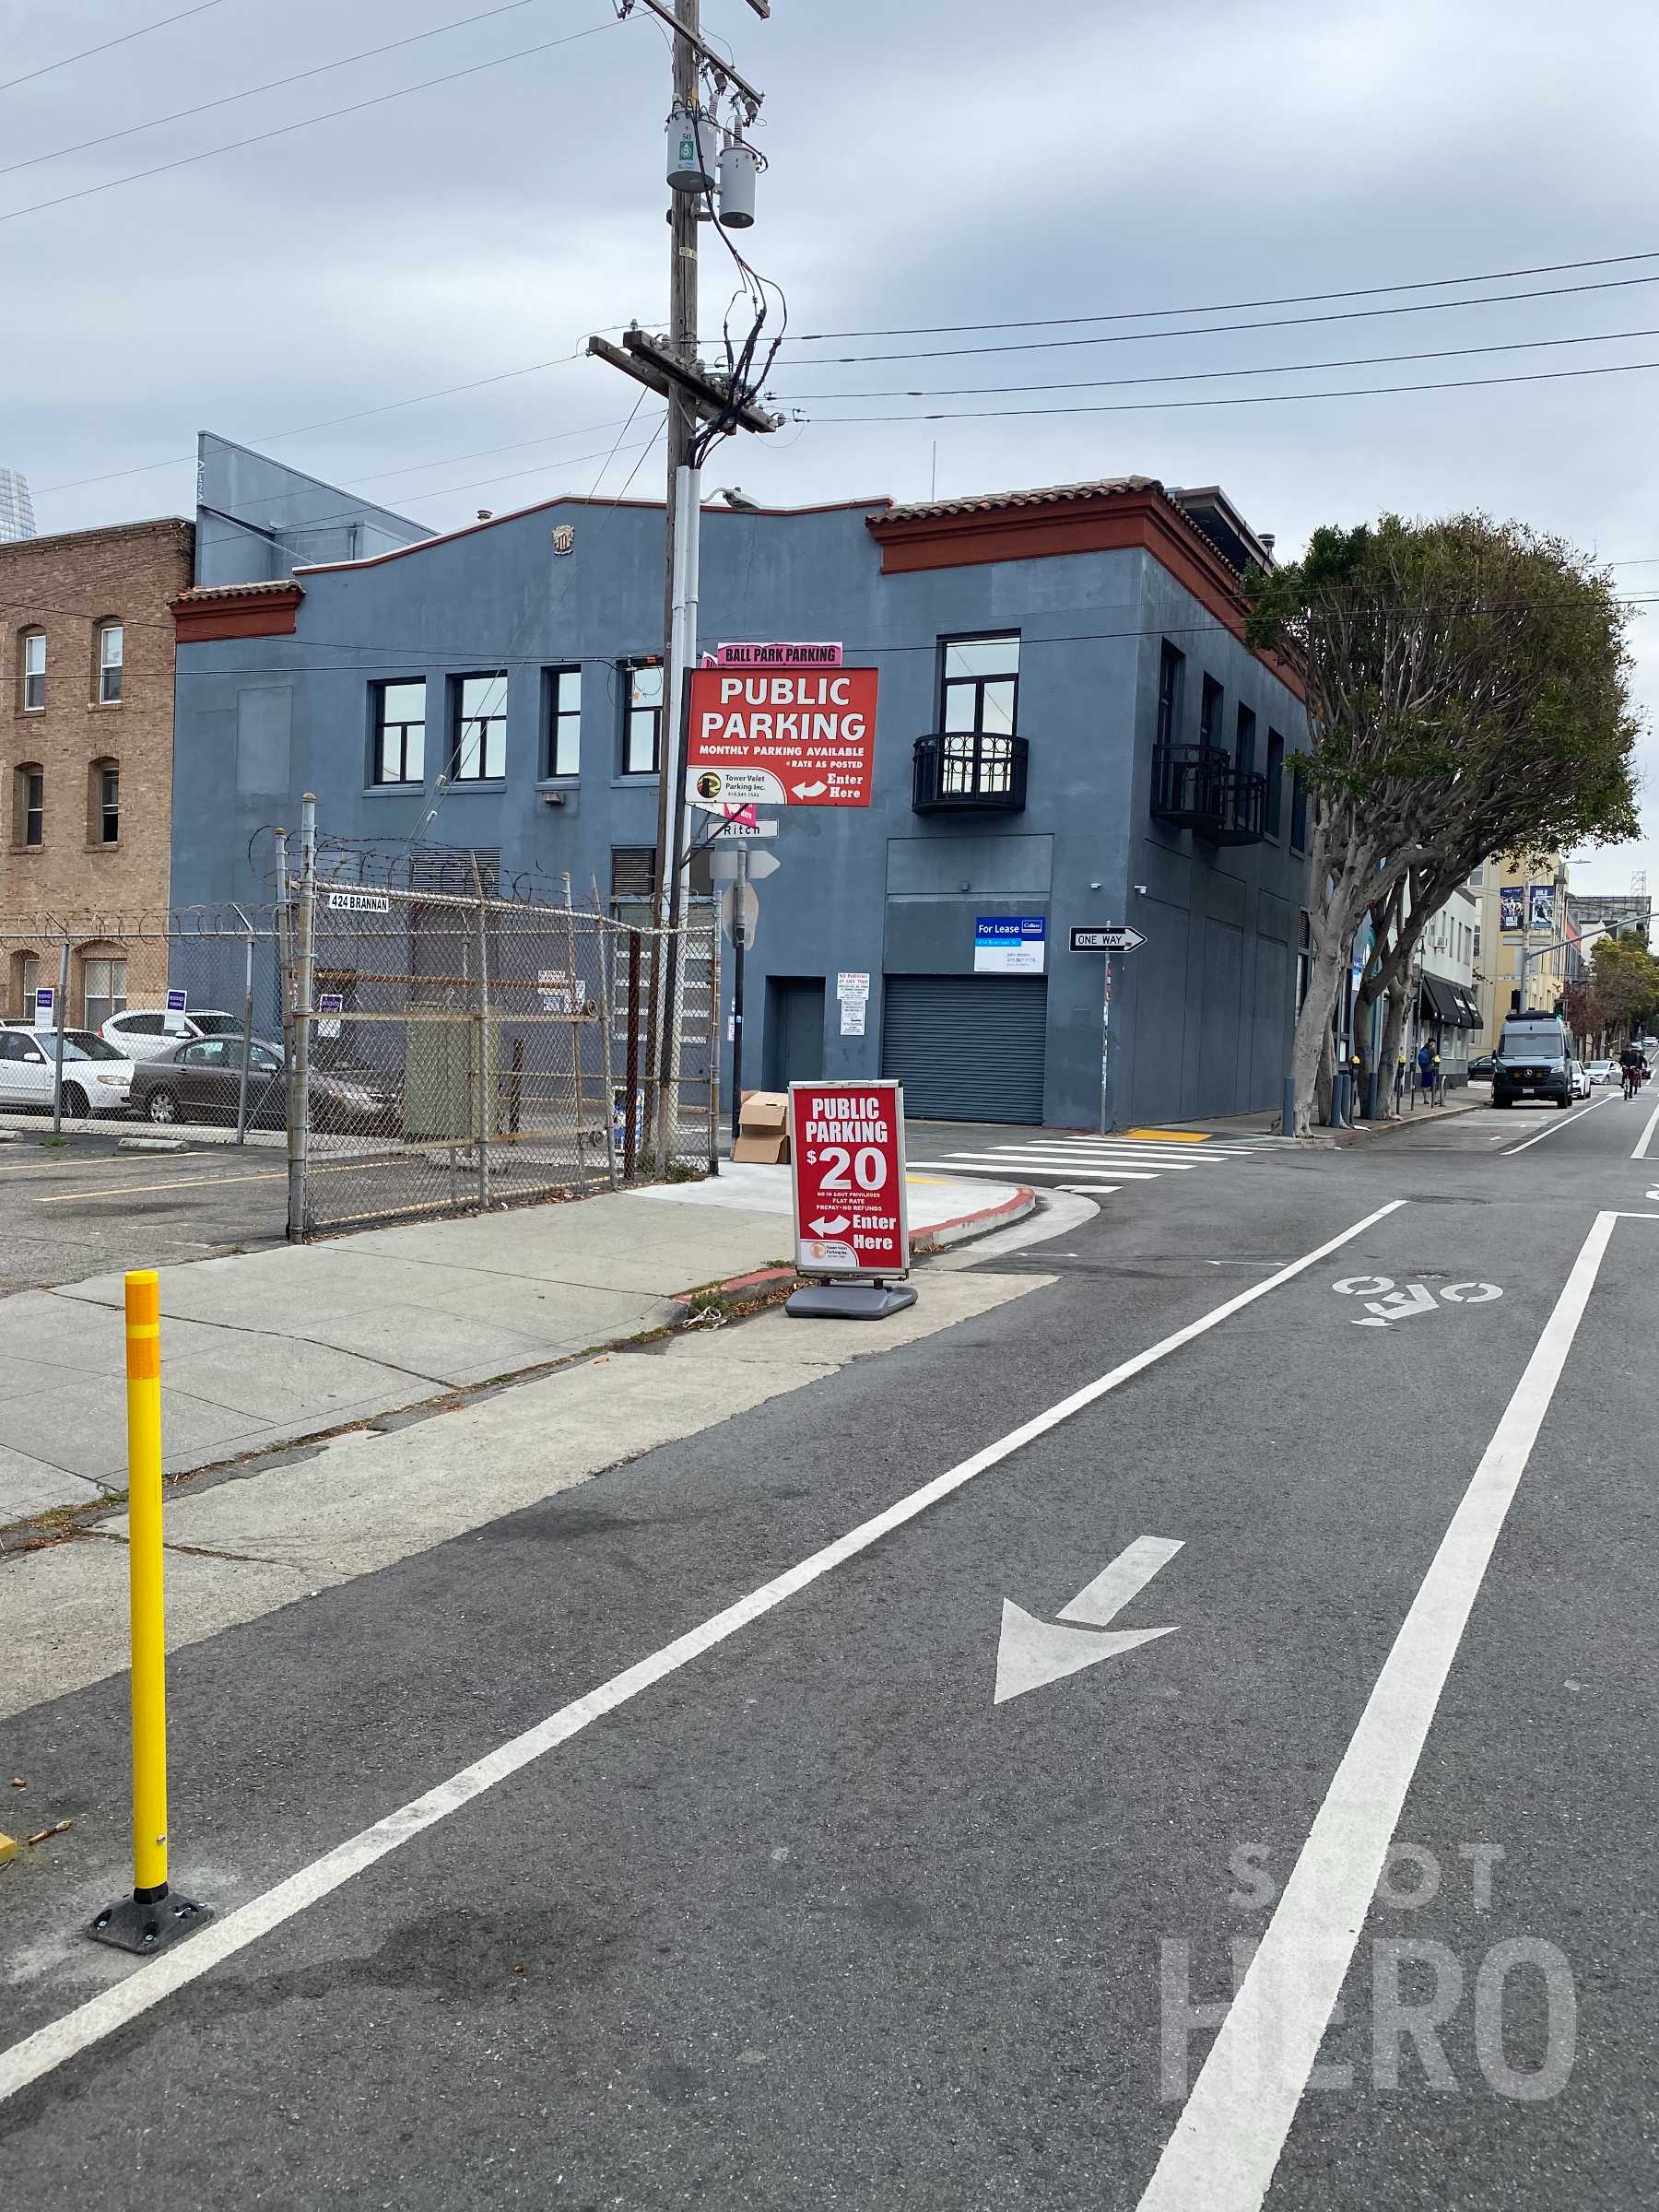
(967, 1048)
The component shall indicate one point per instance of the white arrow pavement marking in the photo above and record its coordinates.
(1030, 1652)
(820, 1228)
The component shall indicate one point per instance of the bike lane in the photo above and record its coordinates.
(816, 1912)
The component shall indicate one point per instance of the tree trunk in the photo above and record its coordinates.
(1393, 1025)
(1322, 1085)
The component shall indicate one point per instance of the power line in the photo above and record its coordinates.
(275, 85)
(127, 36)
(1223, 307)
(1243, 399)
(1198, 376)
(285, 130)
(1212, 330)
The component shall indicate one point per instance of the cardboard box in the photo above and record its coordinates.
(763, 1128)
(768, 1151)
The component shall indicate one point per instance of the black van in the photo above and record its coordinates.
(1533, 1060)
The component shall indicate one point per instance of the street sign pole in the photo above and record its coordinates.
(739, 950)
(1106, 937)
(1106, 1047)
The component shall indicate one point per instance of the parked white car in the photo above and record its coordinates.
(1581, 1080)
(95, 1078)
(145, 1033)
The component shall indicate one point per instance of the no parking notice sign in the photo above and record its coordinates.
(847, 1153)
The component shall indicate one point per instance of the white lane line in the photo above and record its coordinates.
(1228, 2140)
(1646, 1139)
(1554, 1129)
(61, 2040)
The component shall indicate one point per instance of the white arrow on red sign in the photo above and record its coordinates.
(809, 791)
(837, 1227)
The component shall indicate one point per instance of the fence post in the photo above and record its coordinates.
(715, 1041)
(631, 1127)
(486, 1099)
(60, 1011)
(299, 1091)
(247, 1038)
(603, 946)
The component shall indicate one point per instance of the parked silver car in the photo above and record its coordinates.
(144, 1032)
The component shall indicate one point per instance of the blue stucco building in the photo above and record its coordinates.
(1071, 732)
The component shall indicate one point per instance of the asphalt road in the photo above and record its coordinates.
(800, 1913)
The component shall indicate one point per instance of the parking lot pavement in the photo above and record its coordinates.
(77, 1205)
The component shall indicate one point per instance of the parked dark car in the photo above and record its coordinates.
(199, 1081)
(1481, 1066)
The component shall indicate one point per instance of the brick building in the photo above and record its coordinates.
(86, 782)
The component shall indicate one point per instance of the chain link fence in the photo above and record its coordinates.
(451, 1051)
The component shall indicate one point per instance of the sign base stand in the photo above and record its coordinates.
(848, 1301)
(143, 1923)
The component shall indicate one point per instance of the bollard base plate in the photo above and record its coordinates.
(132, 1926)
(849, 1302)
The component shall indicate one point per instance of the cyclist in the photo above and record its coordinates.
(1633, 1063)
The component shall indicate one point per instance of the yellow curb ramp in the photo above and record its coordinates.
(1172, 1137)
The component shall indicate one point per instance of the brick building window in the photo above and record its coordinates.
(103, 803)
(479, 750)
(33, 664)
(28, 804)
(25, 976)
(112, 652)
(400, 733)
(103, 989)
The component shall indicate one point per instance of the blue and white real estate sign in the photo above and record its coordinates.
(1009, 943)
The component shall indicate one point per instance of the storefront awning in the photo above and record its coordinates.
(1442, 1004)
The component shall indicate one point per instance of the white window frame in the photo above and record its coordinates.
(111, 665)
(34, 672)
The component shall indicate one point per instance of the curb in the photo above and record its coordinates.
(1347, 1138)
(757, 1288)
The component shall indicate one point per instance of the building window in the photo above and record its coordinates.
(112, 648)
(1476, 955)
(104, 991)
(1171, 667)
(979, 683)
(34, 671)
(1276, 777)
(633, 871)
(103, 803)
(1299, 811)
(1477, 878)
(400, 731)
(642, 718)
(561, 754)
(1244, 744)
(1209, 713)
(25, 978)
(29, 804)
(478, 754)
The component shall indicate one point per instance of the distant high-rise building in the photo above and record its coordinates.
(16, 509)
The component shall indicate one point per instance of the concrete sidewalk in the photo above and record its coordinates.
(263, 1349)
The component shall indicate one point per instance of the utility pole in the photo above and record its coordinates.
(696, 401)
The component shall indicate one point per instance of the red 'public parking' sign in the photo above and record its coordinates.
(846, 1143)
(782, 737)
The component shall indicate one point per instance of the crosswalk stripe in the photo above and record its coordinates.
(975, 1164)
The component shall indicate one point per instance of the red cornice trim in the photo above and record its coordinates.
(1110, 522)
(271, 615)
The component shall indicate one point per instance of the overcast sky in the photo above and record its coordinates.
(938, 161)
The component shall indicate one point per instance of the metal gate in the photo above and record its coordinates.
(967, 1048)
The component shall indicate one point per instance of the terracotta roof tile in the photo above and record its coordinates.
(1047, 495)
(200, 595)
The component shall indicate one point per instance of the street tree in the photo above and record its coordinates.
(1467, 687)
(1625, 984)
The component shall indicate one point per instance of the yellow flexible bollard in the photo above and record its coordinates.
(153, 1917)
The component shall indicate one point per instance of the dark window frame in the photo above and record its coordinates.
(1212, 712)
(1171, 683)
(626, 670)
(491, 723)
(560, 723)
(1275, 780)
(380, 729)
(954, 685)
(620, 888)
(1299, 811)
(29, 827)
(108, 808)
(1244, 740)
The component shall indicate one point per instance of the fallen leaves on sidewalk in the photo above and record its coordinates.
(57, 1828)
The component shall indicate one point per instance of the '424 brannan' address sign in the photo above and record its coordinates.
(782, 737)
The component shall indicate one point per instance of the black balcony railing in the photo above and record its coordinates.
(973, 769)
(1197, 788)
